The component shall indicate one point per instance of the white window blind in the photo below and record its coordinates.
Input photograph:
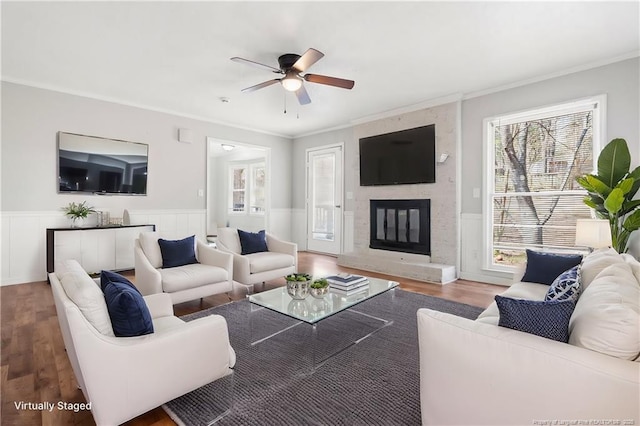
(533, 195)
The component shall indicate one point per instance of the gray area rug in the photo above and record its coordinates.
(375, 382)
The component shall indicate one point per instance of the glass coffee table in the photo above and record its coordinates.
(312, 313)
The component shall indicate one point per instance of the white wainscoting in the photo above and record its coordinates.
(280, 223)
(23, 249)
(299, 228)
(472, 250)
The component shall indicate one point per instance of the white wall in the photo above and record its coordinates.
(31, 118)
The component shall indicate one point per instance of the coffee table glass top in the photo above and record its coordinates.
(312, 310)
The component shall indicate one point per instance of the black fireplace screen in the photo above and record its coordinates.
(401, 225)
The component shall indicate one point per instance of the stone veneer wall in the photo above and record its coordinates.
(442, 193)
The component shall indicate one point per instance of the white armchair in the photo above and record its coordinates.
(212, 275)
(280, 259)
(123, 377)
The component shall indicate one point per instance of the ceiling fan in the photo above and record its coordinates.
(291, 66)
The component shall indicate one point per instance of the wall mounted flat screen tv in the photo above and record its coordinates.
(404, 157)
(101, 166)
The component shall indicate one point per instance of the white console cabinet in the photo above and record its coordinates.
(96, 248)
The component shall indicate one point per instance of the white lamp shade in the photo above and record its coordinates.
(291, 83)
(594, 233)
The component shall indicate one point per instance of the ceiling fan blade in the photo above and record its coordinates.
(303, 96)
(255, 64)
(261, 85)
(308, 58)
(330, 81)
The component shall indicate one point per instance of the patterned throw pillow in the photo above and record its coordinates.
(546, 319)
(566, 286)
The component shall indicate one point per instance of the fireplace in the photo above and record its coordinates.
(401, 225)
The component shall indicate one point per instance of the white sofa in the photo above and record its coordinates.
(250, 269)
(212, 275)
(123, 377)
(478, 373)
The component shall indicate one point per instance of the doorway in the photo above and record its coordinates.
(238, 186)
(324, 199)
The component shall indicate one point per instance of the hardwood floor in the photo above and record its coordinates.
(34, 366)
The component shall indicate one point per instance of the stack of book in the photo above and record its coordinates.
(347, 284)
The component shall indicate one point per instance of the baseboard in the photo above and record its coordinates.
(483, 278)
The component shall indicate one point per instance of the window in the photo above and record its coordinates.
(257, 186)
(533, 159)
(238, 189)
(247, 188)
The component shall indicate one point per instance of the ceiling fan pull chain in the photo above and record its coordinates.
(285, 103)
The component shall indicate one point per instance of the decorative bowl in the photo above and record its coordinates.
(320, 292)
(298, 290)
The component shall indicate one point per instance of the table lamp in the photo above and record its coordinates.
(593, 233)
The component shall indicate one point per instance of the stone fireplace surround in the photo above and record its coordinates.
(438, 267)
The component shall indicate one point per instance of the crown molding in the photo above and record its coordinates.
(573, 70)
(124, 102)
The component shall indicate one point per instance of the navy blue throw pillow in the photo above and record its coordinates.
(252, 242)
(178, 252)
(544, 268)
(548, 319)
(108, 276)
(128, 311)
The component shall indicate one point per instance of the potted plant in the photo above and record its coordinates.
(611, 192)
(298, 285)
(78, 212)
(319, 288)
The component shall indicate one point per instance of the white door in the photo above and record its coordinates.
(324, 200)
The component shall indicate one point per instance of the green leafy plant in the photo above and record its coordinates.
(611, 192)
(78, 210)
(320, 283)
(298, 276)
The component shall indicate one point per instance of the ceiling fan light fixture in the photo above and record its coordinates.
(291, 82)
(291, 65)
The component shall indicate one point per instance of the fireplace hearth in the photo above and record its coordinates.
(401, 225)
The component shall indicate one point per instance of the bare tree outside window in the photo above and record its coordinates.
(238, 188)
(536, 199)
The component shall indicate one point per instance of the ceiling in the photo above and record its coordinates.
(175, 56)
